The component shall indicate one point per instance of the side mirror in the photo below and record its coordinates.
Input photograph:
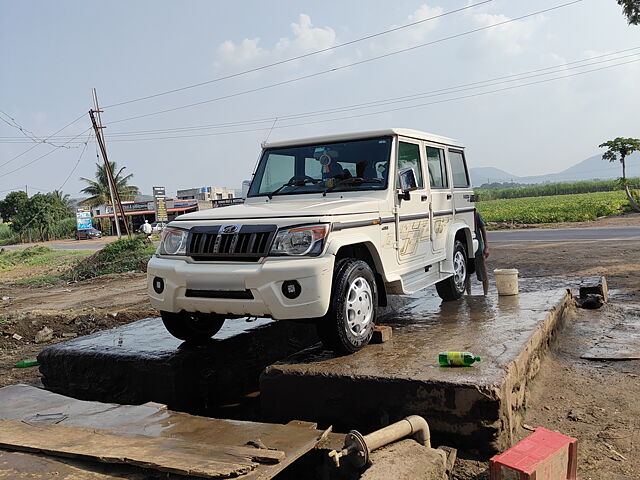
(408, 183)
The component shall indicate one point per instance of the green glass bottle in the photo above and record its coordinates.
(457, 359)
(32, 362)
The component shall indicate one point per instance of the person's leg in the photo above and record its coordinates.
(481, 272)
(468, 284)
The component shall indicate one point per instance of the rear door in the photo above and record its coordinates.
(441, 196)
(463, 200)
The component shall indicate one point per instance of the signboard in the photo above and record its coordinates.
(160, 200)
(83, 219)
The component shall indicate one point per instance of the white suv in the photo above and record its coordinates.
(330, 227)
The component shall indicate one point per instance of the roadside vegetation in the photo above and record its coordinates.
(552, 189)
(37, 266)
(124, 255)
(555, 208)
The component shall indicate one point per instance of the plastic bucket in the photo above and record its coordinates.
(506, 281)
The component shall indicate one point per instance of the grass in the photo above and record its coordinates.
(554, 208)
(39, 256)
(124, 255)
(38, 280)
(549, 189)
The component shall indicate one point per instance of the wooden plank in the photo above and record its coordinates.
(159, 453)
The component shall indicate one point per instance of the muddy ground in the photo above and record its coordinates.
(596, 402)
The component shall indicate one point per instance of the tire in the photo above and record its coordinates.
(453, 287)
(192, 327)
(348, 325)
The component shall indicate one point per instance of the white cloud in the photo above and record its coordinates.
(306, 38)
(510, 38)
(412, 35)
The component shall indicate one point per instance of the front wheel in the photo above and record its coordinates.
(192, 327)
(348, 325)
(452, 288)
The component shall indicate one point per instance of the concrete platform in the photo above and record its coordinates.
(141, 362)
(475, 408)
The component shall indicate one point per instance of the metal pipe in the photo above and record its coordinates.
(358, 447)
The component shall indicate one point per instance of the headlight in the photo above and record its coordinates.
(307, 240)
(174, 241)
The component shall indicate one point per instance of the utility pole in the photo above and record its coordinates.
(115, 196)
(26, 190)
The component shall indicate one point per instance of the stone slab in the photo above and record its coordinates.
(135, 423)
(142, 362)
(476, 408)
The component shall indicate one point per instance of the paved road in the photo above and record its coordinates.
(565, 234)
(501, 236)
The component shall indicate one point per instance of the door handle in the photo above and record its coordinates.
(449, 196)
(424, 198)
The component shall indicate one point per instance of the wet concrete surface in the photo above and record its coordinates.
(276, 371)
(476, 407)
(34, 405)
(142, 362)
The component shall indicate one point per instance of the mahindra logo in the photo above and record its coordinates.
(230, 228)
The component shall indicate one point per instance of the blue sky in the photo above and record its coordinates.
(53, 53)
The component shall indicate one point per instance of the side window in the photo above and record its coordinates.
(409, 157)
(458, 169)
(437, 168)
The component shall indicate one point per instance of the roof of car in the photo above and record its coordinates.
(405, 132)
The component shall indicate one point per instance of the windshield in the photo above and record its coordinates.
(316, 168)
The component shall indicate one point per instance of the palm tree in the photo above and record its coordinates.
(99, 189)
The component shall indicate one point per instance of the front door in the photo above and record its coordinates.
(413, 212)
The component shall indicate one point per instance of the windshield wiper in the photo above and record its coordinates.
(350, 181)
(294, 183)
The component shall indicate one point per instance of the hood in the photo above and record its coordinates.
(283, 207)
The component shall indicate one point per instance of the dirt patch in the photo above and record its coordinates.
(595, 402)
(69, 310)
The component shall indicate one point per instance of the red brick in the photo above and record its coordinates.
(543, 455)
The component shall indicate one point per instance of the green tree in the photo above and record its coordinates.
(619, 149)
(11, 204)
(631, 10)
(99, 188)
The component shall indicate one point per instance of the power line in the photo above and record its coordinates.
(299, 57)
(383, 111)
(447, 91)
(42, 156)
(454, 89)
(34, 146)
(334, 69)
(27, 133)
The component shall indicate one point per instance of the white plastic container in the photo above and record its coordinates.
(506, 281)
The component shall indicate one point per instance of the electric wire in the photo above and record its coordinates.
(479, 94)
(42, 156)
(342, 67)
(299, 57)
(47, 138)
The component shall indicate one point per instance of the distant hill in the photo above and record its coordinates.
(591, 168)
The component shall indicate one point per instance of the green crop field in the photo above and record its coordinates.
(555, 208)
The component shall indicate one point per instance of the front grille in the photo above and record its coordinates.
(230, 242)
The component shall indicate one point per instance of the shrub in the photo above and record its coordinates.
(124, 255)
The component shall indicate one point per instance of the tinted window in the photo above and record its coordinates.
(409, 157)
(437, 168)
(316, 167)
(458, 169)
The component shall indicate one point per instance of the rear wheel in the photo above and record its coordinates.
(348, 325)
(453, 287)
(192, 327)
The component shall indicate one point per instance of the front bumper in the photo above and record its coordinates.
(264, 280)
